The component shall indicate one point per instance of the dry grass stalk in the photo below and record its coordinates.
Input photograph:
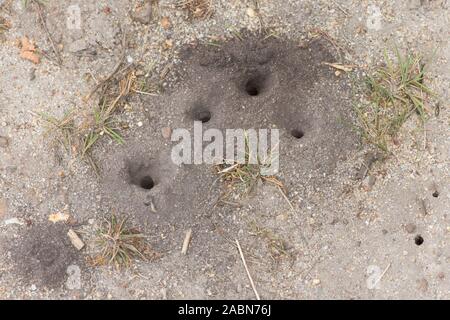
(246, 270)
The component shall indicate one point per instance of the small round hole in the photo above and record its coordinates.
(253, 87)
(436, 194)
(203, 116)
(146, 183)
(418, 240)
(296, 133)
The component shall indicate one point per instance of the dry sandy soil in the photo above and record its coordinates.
(346, 227)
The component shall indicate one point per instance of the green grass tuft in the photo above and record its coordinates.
(395, 92)
(119, 244)
(241, 178)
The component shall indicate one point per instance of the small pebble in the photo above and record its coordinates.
(422, 285)
(410, 228)
(166, 132)
(3, 142)
(251, 12)
(316, 282)
(143, 14)
(13, 221)
(368, 183)
(32, 74)
(281, 217)
(11, 169)
(3, 207)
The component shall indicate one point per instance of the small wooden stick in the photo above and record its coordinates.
(382, 275)
(75, 239)
(246, 269)
(286, 198)
(44, 26)
(187, 240)
(115, 70)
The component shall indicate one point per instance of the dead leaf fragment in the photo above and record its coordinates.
(168, 44)
(28, 51)
(31, 56)
(58, 217)
(4, 24)
(165, 23)
(27, 45)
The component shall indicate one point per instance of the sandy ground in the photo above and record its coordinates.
(343, 238)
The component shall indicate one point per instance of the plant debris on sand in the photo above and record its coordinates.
(241, 178)
(119, 244)
(201, 9)
(395, 92)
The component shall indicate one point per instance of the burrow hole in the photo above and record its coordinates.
(418, 240)
(146, 182)
(254, 86)
(297, 133)
(436, 194)
(202, 115)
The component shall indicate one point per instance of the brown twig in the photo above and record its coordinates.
(44, 26)
(286, 198)
(115, 70)
(338, 47)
